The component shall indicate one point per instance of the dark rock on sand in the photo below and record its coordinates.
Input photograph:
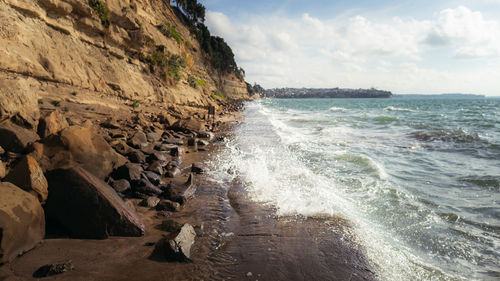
(182, 192)
(150, 202)
(22, 221)
(87, 207)
(28, 175)
(167, 205)
(121, 186)
(53, 269)
(199, 168)
(177, 247)
(14, 137)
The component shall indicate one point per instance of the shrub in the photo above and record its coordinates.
(201, 82)
(55, 103)
(102, 11)
(169, 30)
(135, 104)
(188, 44)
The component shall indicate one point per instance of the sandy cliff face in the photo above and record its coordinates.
(48, 46)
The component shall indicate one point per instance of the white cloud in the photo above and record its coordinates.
(362, 52)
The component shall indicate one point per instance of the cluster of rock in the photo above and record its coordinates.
(81, 177)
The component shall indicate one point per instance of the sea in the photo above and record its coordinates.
(418, 179)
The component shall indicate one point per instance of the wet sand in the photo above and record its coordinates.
(237, 239)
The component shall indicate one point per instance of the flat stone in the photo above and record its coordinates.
(28, 175)
(174, 141)
(121, 186)
(89, 208)
(182, 192)
(53, 269)
(22, 221)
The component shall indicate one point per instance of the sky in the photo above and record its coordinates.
(407, 47)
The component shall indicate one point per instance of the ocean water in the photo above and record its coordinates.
(418, 179)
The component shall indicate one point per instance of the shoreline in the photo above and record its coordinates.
(236, 239)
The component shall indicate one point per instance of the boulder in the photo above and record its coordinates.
(153, 177)
(22, 221)
(153, 137)
(150, 202)
(177, 246)
(14, 137)
(19, 101)
(156, 167)
(51, 123)
(144, 186)
(28, 175)
(130, 172)
(170, 226)
(3, 170)
(138, 140)
(136, 156)
(159, 155)
(182, 192)
(198, 168)
(167, 205)
(121, 185)
(87, 207)
(148, 149)
(190, 124)
(79, 145)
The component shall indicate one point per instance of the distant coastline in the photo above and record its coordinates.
(304, 93)
(440, 96)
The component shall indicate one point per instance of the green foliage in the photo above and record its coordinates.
(217, 95)
(40, 101)
(102, 11)
(74, 93)
(169, 30)
(136, 104)
(192, 82)
(55, 103)
(188, 44)
(201, 82)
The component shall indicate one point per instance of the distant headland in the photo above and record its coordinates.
(301, 93)
(442, 96)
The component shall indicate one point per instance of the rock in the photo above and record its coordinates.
(177, 247)
(203, 142)
(138, 140)
(110, 124)
(136, 156)
(206, 135)
(130, 171)
(170, 226)
(57, 7)
(191, 142)
(18, 100)
(121, 147)
(121, 186)
(3, 170)
(167, 205)
(165, 147)
(14, 137)
(190, 124)
(87, 207)
(198, 168)
(153, 177)
(182, 192)
(177, 151)
(144, 186)
(148, 149)
(53, 269)
(150, 202)
(174, 141)
(158, 155)
(153, 137)
(28, 175)
(22, 221)
(156, 167)
(51, 123)
(78, 145)
(2, 151)
(173, 172)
